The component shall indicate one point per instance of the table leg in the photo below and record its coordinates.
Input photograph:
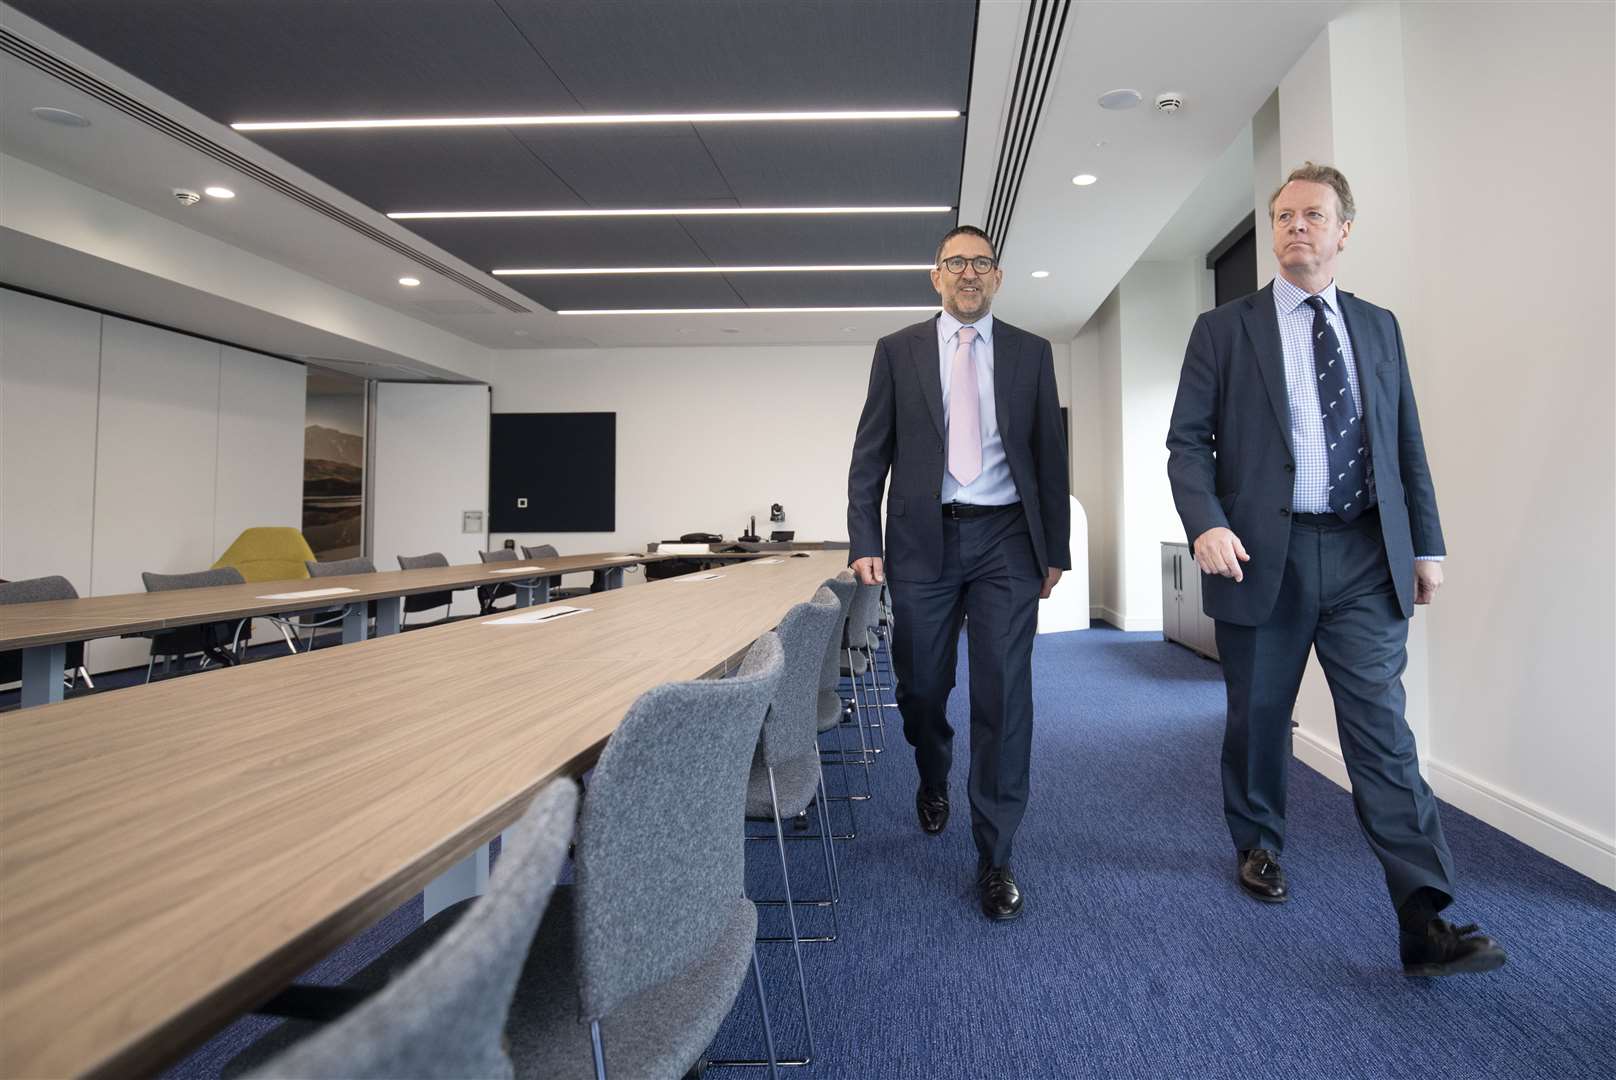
(614, 577)
(389, 615)
(42, 667)
(463, 880)
(354, 618)
(529, 593)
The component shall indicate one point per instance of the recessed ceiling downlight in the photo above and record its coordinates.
(60, 116)
(217, 192)
(1040, 273)
(1120, 99)
(1084, 179)
(409, 282)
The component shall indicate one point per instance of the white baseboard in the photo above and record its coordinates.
(1560, 839)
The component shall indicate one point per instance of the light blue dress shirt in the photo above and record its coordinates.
(993, 486)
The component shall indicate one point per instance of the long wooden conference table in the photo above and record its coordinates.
(172, 855)
(41, 630)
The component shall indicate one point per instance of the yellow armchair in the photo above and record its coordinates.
(268, 553)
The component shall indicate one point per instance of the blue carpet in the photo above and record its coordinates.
(1137, 956)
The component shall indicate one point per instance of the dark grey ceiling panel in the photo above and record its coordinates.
(713, 55)
(312, 59)
(912, 163)
(659, 165)
(563, 242)
(658, 291)
(834, 290)
(750, 241)
(486, 169)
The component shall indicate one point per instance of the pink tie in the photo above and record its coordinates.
(964, 413)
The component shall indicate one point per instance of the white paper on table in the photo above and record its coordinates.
(621, 558)
(767, 562)
(529, 570)
(307, 593)
(684, 549)
(697, 577)
(528, 618)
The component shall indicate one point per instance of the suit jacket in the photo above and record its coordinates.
(1232, 388)
(902, 430)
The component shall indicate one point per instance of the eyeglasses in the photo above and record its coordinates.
(982, 264)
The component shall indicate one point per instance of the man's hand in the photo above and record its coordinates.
(1219, 551)
(869, 570)
(1427, 580)
(1049, 582)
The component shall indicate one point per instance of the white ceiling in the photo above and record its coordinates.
(1225, 57)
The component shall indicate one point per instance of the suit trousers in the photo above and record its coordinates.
(1337, 597)
(990, 580)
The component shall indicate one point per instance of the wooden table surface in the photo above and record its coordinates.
(49, 621)
(171, 855)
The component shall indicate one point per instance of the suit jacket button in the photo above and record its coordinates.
(1283, 512)
(1290, 468)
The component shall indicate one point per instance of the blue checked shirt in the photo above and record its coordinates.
(1311, 492)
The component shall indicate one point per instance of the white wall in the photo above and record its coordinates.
(709, 437)
(129, 448)
(1511, 694)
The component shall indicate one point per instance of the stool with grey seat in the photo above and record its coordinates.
(36, 590)
(355, 618)
(436, 1004)
(220, 641)
(611, 977)
(786, 781)
(426, 601)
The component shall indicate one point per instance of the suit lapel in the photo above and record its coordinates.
(925, 355)
(1365, 355)
(1262, 327)
(1006, 357)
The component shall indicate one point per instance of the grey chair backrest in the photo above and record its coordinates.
(341, 567)
(540, 551)
(791, 730)
(33, 590)
(659, 857)
(843, 585)
(499, 555)
(444, 1016)
(863, 614)
(201, 579)
(425, 601)
(430, 560)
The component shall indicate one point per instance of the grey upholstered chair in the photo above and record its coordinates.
(33, 591)
(637, 965)
(487, 594)
(437, 1002)
(314, 620)
(832, 711)
(785, 779)
(863, 616)
(220, 641)
(547, 551)
(426, 601)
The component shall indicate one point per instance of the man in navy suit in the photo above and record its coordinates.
(1299, 470)
(962, 411)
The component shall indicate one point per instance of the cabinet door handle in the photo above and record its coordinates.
(1178, 572)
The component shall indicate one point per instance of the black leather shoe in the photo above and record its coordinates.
(1444, 949)
(931, 806)
(1260, 875)
(1001, 898)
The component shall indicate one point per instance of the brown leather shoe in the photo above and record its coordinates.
(1259, 874)
(931, 806)
(1001, 897)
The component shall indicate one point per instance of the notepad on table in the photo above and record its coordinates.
(697, 577)
(308, 594)
(528, 618)
(529, 570)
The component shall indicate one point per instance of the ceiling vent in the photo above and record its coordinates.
(1035, 72)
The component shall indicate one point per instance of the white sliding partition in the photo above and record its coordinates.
(429, 466)
(260, 478)
(50, 367)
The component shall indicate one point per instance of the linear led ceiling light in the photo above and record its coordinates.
(687, 211)
(735, 310)
(850, 269)
(589, 120)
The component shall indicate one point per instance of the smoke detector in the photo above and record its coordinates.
(186, 196)
(1169, 102)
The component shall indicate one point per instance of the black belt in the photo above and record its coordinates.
(1333, 521)
(971, 510)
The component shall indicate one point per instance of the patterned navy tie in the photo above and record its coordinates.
(1343, 432)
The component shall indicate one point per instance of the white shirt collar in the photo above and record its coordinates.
(948, 326)
(1287, 297)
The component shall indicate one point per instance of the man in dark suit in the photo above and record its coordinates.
(1299, 471)
(962, 410)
